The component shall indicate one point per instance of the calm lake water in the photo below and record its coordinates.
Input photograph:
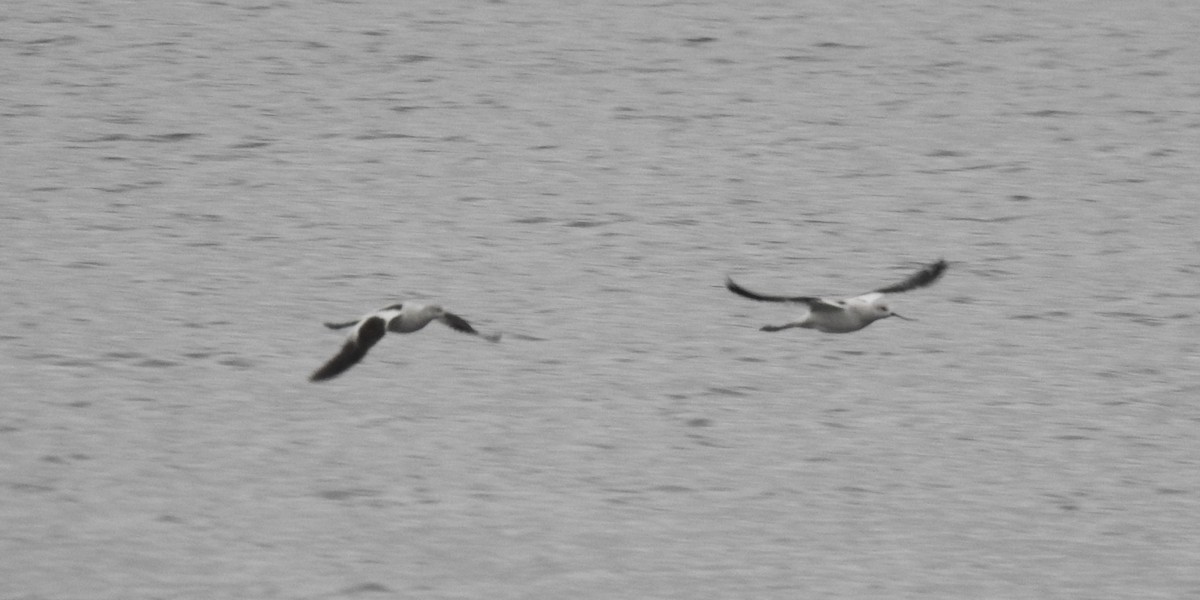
(191, 188)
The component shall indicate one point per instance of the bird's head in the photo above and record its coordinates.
(882, 311)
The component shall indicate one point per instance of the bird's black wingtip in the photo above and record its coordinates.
(928, 275)
(733, 286)
(336, 366)
(937, 269)
(322, 374)
(458, 323)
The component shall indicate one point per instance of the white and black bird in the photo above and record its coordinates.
(397, 318)
(851, 314)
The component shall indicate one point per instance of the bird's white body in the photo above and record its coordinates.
(409, 317)
(842, 316)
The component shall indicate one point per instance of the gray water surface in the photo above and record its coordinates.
(191, 188)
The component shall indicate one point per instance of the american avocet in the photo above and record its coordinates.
(397, 318)
(850, 314)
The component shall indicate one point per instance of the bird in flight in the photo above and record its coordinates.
(850, 314)
(397, 318)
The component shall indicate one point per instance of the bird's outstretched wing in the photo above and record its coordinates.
(926, 276)
(355, 348)
(458, 323)
(340, 325)
(814, 303)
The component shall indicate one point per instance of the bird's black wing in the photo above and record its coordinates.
(745, 293)
(340, 325)
(813, 302)
(355, 348)
(458, 323)
(926, 276)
